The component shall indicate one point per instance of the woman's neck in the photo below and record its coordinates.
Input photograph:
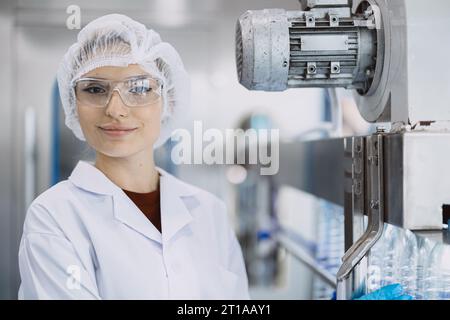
(136, 173)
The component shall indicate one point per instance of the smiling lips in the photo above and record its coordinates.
(116, 130)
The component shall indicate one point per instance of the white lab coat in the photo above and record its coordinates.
(85, 239)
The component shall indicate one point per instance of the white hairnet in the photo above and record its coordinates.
(117, 40)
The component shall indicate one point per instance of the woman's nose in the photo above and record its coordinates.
(116, 108)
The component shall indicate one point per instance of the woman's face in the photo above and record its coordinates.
(118, 130)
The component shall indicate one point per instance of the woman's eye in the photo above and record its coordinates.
(140, 90)
(94, 90)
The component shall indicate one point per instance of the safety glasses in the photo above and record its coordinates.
(135, 92)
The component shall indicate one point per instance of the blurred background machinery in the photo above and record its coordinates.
(379, 50)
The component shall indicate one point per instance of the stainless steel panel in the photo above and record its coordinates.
(316, 167)
(417, 179)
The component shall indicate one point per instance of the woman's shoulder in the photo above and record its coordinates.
(40, 216)
(59, 192)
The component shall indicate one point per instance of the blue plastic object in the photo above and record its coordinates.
(391, 292)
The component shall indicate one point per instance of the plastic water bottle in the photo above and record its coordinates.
(375, 266)
(418, 264)
(438, 274)
(409, 259)
(383, 260)
(330, 245)
(425, 248)
(391, 255)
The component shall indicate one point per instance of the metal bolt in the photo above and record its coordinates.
(381, 129)
(357, 166)
(375, 145)
(358, 189)
(312, 69)
(375, 204)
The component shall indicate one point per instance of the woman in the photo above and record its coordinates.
(123, 228)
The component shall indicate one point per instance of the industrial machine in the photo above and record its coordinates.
(392, 54)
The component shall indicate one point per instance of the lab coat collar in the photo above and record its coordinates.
(175, 215)
(88, 177)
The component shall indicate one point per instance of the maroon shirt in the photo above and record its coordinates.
(149, 204)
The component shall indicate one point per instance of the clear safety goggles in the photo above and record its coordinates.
(135, 92)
